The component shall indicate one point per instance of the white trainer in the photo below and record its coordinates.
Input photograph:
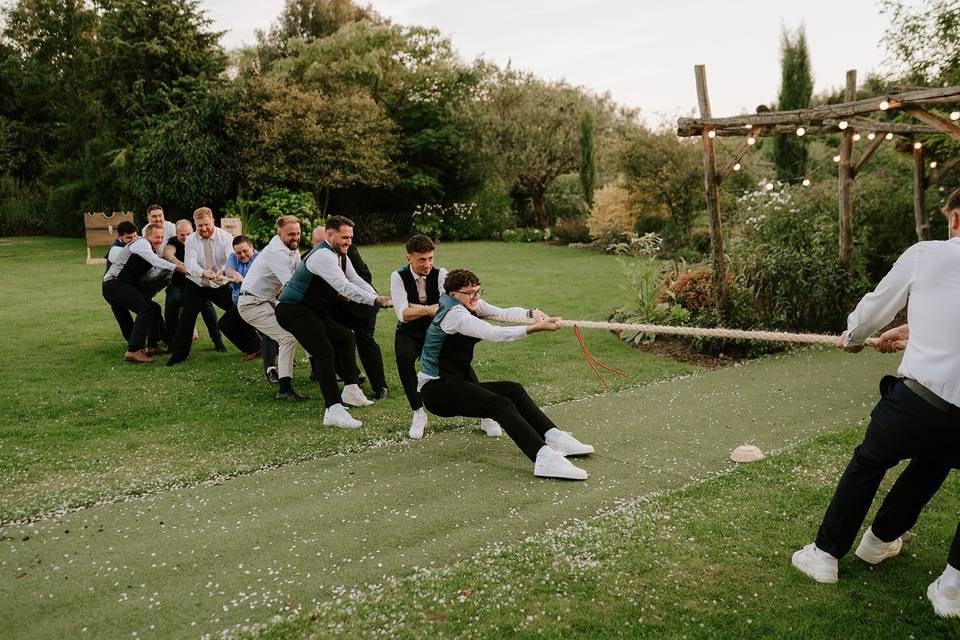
(551, 464)
(418, 424)
(819, 565)
(874, 550)
(353, 396)
(338, 416)
(945, 598)
(565, 444)
(491, 427)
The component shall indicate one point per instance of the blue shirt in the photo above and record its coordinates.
(241, 268)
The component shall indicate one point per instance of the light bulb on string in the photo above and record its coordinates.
(751, 141)
(918, 145)
(871, 135)
(889, 136)
(856, 137)
(842, 125)
(884, 105)
(769, 186)
(933, 164)
(955, 115)
(806, 182)
(836, 158)
(801, 131)
(736, 167)
(711, 134)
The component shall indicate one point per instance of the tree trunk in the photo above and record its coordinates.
(539, 208)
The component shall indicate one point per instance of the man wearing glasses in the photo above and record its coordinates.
(449, 387)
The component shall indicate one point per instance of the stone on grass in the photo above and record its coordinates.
(747, 453)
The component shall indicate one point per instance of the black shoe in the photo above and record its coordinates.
(172, 360)
(381, 393)
(272, 376)
(290, 395)
(219, 346)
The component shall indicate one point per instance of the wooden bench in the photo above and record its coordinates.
(101, 230)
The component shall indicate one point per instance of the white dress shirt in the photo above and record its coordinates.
(271, 270)
(927, 279)
(347, 283)
(143, 249)
(221, 246)
(399, 293)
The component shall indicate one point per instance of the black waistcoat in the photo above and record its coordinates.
(419, 326)
(180, 251)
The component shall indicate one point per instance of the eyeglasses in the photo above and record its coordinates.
(472, 295)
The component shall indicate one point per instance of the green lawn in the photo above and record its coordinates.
(80, 426)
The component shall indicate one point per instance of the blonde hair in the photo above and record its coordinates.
(283, 221)
(202, 213)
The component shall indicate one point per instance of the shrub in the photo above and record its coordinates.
(494, 207)
(564, 198)
(572, 230)
(259, 216)
(524, 234)
(460, 220)
(21, 208)
(65, 206)
(648, 245)
(612, 213)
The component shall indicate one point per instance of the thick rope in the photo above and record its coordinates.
(701, 332)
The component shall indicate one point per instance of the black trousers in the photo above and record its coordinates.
(269, 351)
(231, 324)
(362, 320)
(124, 320)
(171, 312)
(147, 325)
(330, 345)
(505, 402)
(902, 426)
(407, 348)
(194, 297)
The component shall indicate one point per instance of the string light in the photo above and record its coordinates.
(711, 134)
(884, 105)
(769, 186)
(918, 145)
(933, 164)
(801, 131)
(748, 126)
(751, 141)
(889, 136)
(871, 135)
(856, 137)
(836, 158)
(736, 167)
(806, 182)
(842, 125)
(955, 115)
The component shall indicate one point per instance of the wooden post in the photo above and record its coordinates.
(921, 219)
(846, 178)
(712, 189)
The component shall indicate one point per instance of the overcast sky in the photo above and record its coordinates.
(643, 53)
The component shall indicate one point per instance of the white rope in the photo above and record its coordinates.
(702, 332)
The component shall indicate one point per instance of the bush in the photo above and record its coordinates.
(495, 208)
(564, 198)
(572, 230)
(259, 217)
(612, 214)
(21, 208)
(524, 234)
(461, 220)
(65, 206)
(374, 228)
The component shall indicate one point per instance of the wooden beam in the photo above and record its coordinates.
(920, 217)
(874, 145)
(943, 169)
(737, 156)
(827, 125)
(846, 179)
(845, 109)
(944, 126)
(712, 188)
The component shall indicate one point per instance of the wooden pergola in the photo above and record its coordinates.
(846, 118)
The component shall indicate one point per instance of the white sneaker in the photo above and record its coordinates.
(565, 444)
(338, 416)
(491, 427)
(874, 550)
(418, 424)
(945, 599)
(551, 464)
(353, 396)
(819, 565)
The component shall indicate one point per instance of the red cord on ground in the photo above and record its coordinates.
(591, 360)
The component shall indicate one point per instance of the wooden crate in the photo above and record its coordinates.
(101, 230)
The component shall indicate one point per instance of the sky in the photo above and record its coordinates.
(641, 52)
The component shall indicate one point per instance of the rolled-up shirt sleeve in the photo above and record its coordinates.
(486, 310)
(143, 249)
(399, 295)
(876, 309)
(459, 320)
(324, 264)
(191, 256)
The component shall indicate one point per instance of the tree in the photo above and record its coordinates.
(665, 172)
(588, 165)
(529, 130)
(796, 88)
(924, 40)
(287, 136)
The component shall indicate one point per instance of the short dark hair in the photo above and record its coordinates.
(125, 228)
(953, 202)
(420, 244)
(153, 207)
(335, 222)
(240, 240)
(459, 278)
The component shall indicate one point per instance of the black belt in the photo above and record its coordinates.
(932, 399)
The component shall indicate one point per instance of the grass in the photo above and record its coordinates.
(708, 561)
(79, 426)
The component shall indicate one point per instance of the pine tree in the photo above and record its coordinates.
(796, 87)
(588, 164)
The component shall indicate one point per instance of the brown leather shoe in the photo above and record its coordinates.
(250, 356)
(136, 356)
(155, 351)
